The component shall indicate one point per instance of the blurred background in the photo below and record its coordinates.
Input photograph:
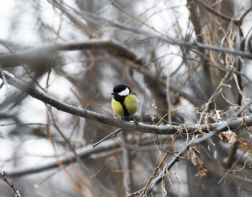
(47, 152)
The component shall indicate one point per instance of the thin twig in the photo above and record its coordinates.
(149, 34)
(244, 15)
(113, 134)
(217, 90)
(174, 160)
(217, 13)
(83, 152)
(156, 170)
(4, 177)
(82, 165)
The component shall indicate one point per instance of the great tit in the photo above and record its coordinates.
(124, 102)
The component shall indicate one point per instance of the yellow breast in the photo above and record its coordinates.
(130, 103)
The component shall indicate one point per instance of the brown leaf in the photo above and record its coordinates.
(229, 136)
(194, 156)
(201, 173)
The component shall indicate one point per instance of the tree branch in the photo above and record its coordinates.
(4, 177)
(84, 152)
(40, 54)
(175, 159)
(34, 55)
(217, 13)
(66, 160)
(168, 129)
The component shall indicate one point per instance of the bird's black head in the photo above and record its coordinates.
(120, 91)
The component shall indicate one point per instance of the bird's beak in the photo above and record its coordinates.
(112, 93)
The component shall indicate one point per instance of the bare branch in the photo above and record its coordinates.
(217, 13)
(113, 134)
(43, 52)
(149, 34)
(4, 177)
(83, 152)
(175, 159)
(168, 129)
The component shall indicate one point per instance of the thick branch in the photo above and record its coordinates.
(168, 129)
(31, 56)
(40, 54)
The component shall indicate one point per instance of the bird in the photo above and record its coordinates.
(124, 102)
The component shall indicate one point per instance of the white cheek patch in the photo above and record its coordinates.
(124, 92)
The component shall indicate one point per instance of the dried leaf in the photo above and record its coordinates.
(201, 173)
(229, 136)
(196, 159)
(194, 156)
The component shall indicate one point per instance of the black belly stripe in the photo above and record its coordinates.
(126, 113)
